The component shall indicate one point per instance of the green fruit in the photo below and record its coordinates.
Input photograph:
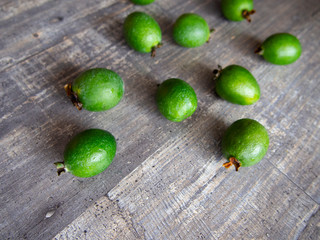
(245, 143)
(96, 90)
(88, 153)
(237, 10)
(280, 49)
(142, 2)
(191, 30)
(142, 32)
(176, 99)
(237, 85)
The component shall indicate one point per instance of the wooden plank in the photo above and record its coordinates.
(12, 8)
(44, 26)
(50, 137)
(312, 230)
(172, 196)
(181, 198)
(37, 119)
(101, 220)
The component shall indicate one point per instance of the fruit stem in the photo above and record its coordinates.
(232, 161)
(246, 14)
(60, 167)
(259, 51)
(217, 72)
(73, 96)
(154, 49)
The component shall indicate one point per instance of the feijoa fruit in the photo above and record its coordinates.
(97, 89)
(142, 33)
(191, 30)
(245, 143)
(237, 85)
(280, 49)
(176, 99)
(142, 2)
(237, 10)
(88, 153)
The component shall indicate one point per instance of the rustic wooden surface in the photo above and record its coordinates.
(166, 181)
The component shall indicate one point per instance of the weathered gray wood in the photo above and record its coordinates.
(312, 230)
(45, 44)
(102, 220)
(181, 192)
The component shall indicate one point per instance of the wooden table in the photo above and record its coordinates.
(167, 180)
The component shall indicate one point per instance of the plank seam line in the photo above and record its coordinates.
(127, 217)
(302, 230)
(294, 183)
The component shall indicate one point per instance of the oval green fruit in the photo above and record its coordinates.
(245, 143)
(237, 10)
(237, 85)
(191, 30)
(97, 89)
(142, 32)
(176, 99)
(280, 49)
(142, 2)
(88, 153)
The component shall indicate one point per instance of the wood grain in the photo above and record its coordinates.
(102, 220)
(166, 177)
(312, 230)
(181, 193)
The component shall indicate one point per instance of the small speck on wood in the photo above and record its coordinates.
(50, 213)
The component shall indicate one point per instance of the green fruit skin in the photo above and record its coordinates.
(142, 32)
(232, 9)
(142, 2)
(281, 49)
(237, 85)
(98, 89)
(176, 99)
(247, 141)
(191, 30)
(89, 153)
